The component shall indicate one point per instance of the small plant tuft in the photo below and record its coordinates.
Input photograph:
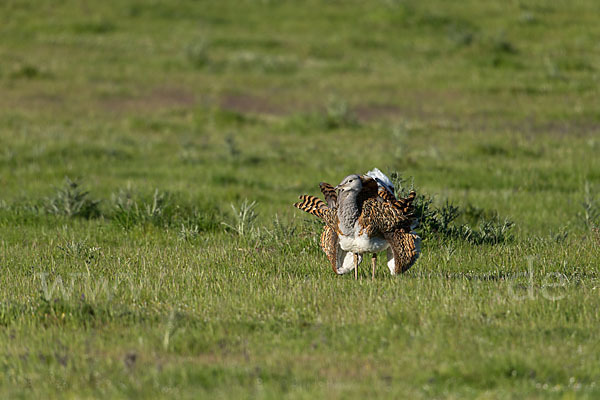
(72, 201)
(335, 115)
(81, 250)
(501, 44)
(339, 115)
(95, 27)
(129, 211)
(26, 71)
(163, 210)
(188, 232)
(232, 147)
(197, 53)
(590, 215)
(244, 217)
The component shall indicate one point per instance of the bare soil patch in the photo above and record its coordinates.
(155, 99)
(252, 104)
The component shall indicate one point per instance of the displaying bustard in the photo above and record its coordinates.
(362, 215)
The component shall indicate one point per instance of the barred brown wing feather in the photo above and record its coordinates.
(329, 244)
(329, 193)
(383, 217)
(405, 248)
(389, 214)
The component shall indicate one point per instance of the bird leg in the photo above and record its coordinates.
(373, 264)
(355, 266)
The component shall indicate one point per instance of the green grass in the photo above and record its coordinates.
(134, 281)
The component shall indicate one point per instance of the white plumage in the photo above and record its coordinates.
(382, 180)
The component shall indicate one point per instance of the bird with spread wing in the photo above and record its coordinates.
(362, 215)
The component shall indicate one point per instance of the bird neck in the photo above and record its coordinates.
(348, 211)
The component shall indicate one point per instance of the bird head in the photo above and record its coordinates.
(350, 183)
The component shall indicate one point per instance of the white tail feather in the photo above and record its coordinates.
(382, 180)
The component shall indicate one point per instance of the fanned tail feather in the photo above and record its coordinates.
(386, 191)
(382, 179)
(405, 204)
(329, 193)
(312, 205)
(386, 195)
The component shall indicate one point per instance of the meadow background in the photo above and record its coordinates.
(150, 152)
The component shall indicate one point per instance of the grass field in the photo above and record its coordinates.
(134, 133)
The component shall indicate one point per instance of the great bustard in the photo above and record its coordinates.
(364, 216)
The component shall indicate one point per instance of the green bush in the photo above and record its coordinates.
(442, 222)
